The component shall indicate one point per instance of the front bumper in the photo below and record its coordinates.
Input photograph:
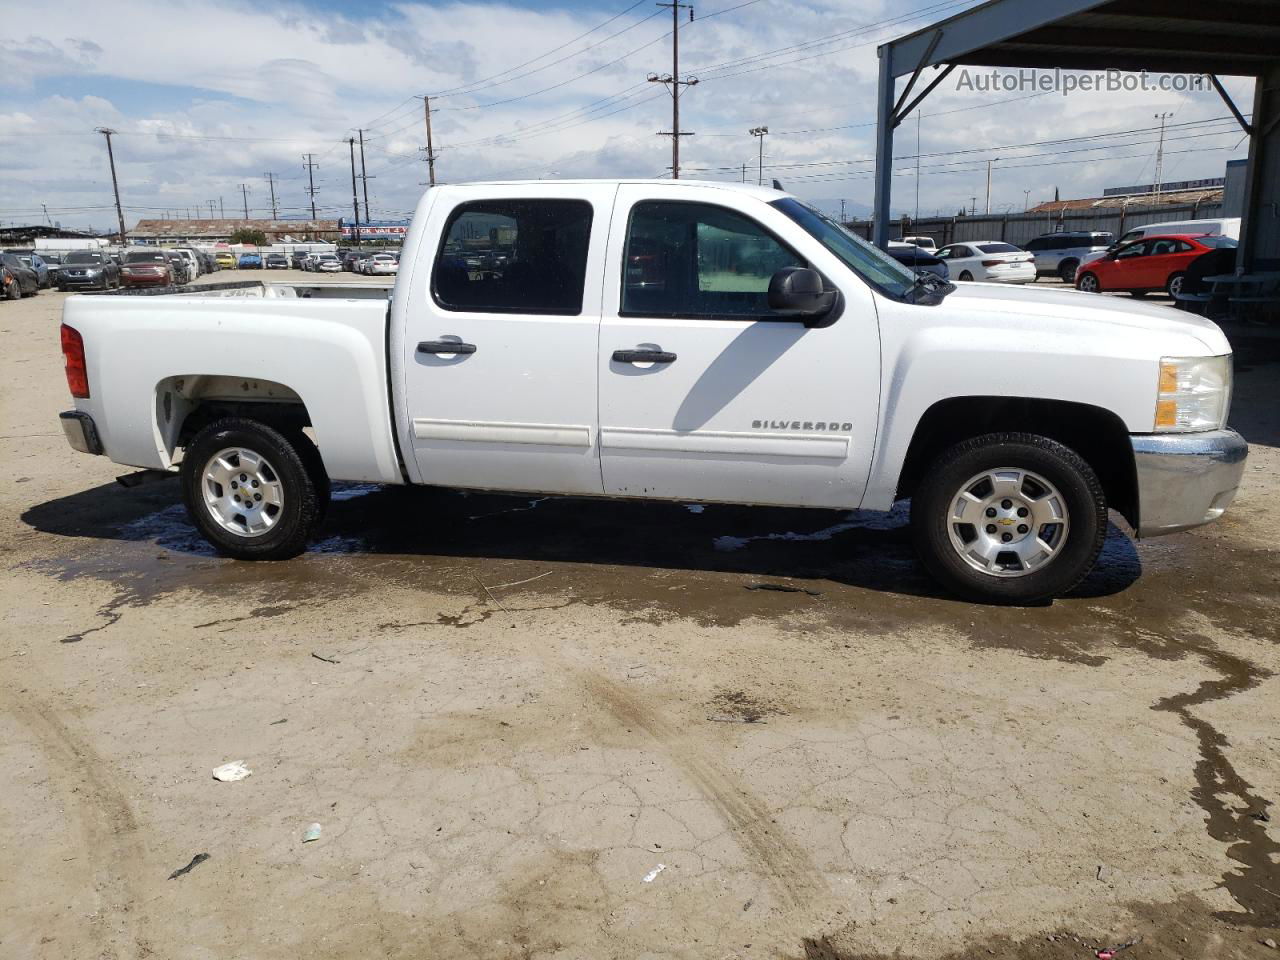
(100, 280)
(1186, 479)
(81, 432)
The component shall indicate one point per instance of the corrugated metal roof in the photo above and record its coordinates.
(1131, 200)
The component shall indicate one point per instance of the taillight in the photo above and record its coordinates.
(993, 263)
(73, 354)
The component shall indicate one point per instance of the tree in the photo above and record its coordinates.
(249, 235)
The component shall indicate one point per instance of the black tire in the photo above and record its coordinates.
(1059, 465)
(301, 508)
(315, 468)
(1174, 285)
(1067, 270)
(966, 276)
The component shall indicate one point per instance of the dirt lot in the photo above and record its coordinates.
(556, 728)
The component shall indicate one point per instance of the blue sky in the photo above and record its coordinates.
(211, 96)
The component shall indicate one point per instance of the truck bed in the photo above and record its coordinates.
(265, 289)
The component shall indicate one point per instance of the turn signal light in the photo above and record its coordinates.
(73, 354)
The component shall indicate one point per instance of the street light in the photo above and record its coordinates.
(761, 133)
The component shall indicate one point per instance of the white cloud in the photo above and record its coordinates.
(289, 80)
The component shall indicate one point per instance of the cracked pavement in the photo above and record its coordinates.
(537, 702)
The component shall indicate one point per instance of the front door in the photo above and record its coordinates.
(706, 393)
(1130, 268)
(500, 356)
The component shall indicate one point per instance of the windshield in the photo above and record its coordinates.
(871, 263)
(144, 258)
(1217, 243)
(86, 256)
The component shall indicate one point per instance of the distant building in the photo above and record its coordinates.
(1193, 197)
(374, 229)
(25, 236)
(212, 231)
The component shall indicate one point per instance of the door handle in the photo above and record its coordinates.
(643, 356)
(446, 346)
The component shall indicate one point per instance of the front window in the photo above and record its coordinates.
(867, 261)
(144, 258)
(86, 256)
(699, 260)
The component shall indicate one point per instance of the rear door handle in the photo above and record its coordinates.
(643, 356)
(446, 346)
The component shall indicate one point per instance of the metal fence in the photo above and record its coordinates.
(1019, 228)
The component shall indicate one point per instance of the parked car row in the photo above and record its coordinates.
(1065, 254)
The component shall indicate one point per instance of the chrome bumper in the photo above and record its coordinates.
(81, 432)
(1186, 479)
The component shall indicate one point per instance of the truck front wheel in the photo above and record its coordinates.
(249, 490)
(1009, 518)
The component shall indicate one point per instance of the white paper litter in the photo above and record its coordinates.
(231, 772)
(652, 875)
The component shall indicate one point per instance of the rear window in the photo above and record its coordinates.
(1101, 239)
(1218, 243)
(544, 266)
(998, 248)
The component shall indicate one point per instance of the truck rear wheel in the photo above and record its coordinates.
(1009, 518)
(250, 490)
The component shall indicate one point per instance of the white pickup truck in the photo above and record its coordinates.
(671, 340)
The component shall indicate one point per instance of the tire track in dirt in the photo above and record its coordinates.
(784, 865)
(109, 834)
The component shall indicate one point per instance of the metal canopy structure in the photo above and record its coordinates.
(1230, 37)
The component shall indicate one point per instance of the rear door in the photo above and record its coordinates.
(1162, 261)
(738, 404)
(501, 338)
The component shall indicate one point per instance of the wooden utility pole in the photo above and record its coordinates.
(674, 83)
(115, 186)
(431, 150)
(244, 192)
(364, 177)
(761, 133)
(355, 198)
(311, 181)
(271, 184)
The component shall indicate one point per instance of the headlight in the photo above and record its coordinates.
(1194, 394)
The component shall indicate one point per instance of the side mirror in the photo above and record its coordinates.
(798, 292)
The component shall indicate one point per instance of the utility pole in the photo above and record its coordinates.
(431, 150)
(271, 184)
(1162, 117)
(364, 177)
(744, 171)
(674, 83)
(1026, 200)
(244, 192)
(989, 163)
(222, 211)
(760, 132)
(45, 208)
(355, 200)
(841, 211)
(115, 185)
(210, 209)
(973, 206)
(311, 181)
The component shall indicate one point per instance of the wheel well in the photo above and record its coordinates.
(1098, 435)
(185, 405)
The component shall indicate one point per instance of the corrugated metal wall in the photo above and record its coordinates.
(1019, 228)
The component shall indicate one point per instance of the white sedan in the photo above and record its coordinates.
(992, 261)
(381, 265)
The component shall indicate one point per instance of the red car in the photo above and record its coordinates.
(1148, 265)
(146, 269)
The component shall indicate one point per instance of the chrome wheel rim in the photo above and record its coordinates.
(1175, 286)
(1089, 283)
(243, 492)
(1008, 522)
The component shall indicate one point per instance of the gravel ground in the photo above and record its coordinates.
(532, 727)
